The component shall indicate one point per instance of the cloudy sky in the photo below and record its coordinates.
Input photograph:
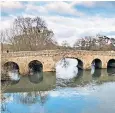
(69, 20)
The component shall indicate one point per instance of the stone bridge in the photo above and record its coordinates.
(49, 58)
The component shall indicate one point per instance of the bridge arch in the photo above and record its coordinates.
(35, 66)
(96, 63)
(111, 63)
(80, 61)
(11, 66)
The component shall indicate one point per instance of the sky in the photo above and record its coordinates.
(69, 20)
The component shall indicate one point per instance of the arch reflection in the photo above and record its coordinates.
(36, 77)
(96, 73)
(111, 71)
(79, 73)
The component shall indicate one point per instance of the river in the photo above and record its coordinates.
(83, 94)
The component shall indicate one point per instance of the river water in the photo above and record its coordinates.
(85, 93)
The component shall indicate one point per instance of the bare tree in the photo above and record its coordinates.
(95, 43)
(30, 34)
(65, 44)
(2, 39)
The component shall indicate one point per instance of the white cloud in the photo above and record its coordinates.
(11, 5)
(54, 7)
(84, 3)
(62, 7)
(91, 4)
(34, 8)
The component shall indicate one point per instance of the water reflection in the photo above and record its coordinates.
(87, 99)
(111, 71)
(23, 100)
(80, 73)
(96, 73)
(14, 76)
(71, 82)
(30, 98)
(36, 77)
(48, 82)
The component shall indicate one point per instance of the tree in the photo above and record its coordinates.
(30, 34)
(65, 44)
(2, 39)
(95, 43)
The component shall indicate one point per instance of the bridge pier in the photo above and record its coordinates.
(87, 65)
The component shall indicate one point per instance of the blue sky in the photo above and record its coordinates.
(69, 20)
